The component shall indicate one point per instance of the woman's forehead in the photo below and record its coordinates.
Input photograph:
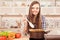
(35, 5)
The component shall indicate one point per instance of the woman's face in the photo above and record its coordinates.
(35, 9)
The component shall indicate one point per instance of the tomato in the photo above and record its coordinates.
(3, 38)
(18, 35)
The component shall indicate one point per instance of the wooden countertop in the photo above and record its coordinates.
(21, 39)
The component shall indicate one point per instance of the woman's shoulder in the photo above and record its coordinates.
(42, 16)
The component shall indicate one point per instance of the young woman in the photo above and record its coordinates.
(35, 18)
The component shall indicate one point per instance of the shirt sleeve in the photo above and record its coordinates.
(43, 22)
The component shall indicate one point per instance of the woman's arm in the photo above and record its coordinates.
(25, 25)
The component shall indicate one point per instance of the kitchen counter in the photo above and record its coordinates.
(53, 35)
(22, 38)
(25, 38)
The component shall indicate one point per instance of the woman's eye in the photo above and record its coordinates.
(32, 8)
(37, 8)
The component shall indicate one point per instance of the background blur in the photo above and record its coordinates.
(12, 11)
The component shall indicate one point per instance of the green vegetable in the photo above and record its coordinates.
(4, 33)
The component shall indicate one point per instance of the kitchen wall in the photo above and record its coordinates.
(16, 7)
(50, 7)
(51, 22)
(12, 10)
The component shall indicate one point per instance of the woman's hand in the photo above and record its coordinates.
(25, 24)
(47, 31)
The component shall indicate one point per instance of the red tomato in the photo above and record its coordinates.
(17, 35)
(3, 38)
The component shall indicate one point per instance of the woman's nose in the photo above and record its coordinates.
(34, 9)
